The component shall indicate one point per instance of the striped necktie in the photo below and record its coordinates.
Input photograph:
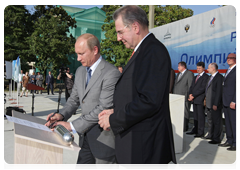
(89, 71)
(197, 78)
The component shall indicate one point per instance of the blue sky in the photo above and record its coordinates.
(197, 9)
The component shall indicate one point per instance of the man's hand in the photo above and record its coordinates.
(56, 117)
(104, 119)
(190, 97)
(214, 107)
(233, 105)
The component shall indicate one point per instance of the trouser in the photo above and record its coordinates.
(67, 93)
(40, 85)
(34, 90)
(19, 88)
(199, 119)
(186, 115)
(230, 124)
(23, 90)
(216, 124)
(209, 122)
(51, 86)
(86, 157)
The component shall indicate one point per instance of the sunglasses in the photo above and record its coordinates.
(231, 58)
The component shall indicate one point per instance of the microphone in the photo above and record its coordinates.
(64, 134)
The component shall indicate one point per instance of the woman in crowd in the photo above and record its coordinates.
(25, 82)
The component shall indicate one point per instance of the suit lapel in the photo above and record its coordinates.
(231, 72)
(94, 77)
(181, 77)
(199, 78)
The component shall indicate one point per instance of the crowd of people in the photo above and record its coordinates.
(210, 95)
(25, 79)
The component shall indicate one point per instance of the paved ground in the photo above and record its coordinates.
(195, 150)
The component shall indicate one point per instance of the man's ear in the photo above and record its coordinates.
(95, 49)
(136, 27)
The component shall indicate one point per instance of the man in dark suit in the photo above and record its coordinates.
(49, 82)
(182, 85)
(141, 120)
(93, 90)
(196, 96)
(213, 94)
(229, 103)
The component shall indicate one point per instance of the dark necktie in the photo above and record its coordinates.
(180, 75)
(197, 78)
(89, 71)
(208, 84)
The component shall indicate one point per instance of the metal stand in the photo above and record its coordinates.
(33, 103)
(60, 92)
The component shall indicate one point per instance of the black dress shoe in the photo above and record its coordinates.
(190, 133)
(226, 144)
(213, 142)
(198, 136)
(232, 148)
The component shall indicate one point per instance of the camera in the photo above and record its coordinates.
(63, 70)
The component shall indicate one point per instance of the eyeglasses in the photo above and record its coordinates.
(231, 58)
(120, 33)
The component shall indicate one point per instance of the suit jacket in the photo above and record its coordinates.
(214, 91)
(95, 98)
(198, 89)
(229, 88)
(141, 119)
(49, 80)
(39, 82)
(183, 85)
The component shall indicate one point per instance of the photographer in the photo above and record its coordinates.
(68, 80)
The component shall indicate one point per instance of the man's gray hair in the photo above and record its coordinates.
(131, 14)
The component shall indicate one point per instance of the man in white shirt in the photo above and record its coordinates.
(20, 82)
(182, 85)
(213, 93)
(92, 90)
(140, 118)
(196, 96)
(229, 103)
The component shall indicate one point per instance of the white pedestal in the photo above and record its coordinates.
(176, 103)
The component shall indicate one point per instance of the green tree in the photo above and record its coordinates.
(17, 27)
(116, 52)
(51, 41)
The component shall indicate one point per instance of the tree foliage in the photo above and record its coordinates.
(50, 41)
(17, 27)
(116, 52)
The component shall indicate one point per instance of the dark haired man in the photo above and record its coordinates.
(196, 96)
(141, 120)
(182, 85)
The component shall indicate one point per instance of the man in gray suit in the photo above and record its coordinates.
(182, 84)
(93, 89)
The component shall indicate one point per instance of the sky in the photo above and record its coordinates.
(197, 9)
